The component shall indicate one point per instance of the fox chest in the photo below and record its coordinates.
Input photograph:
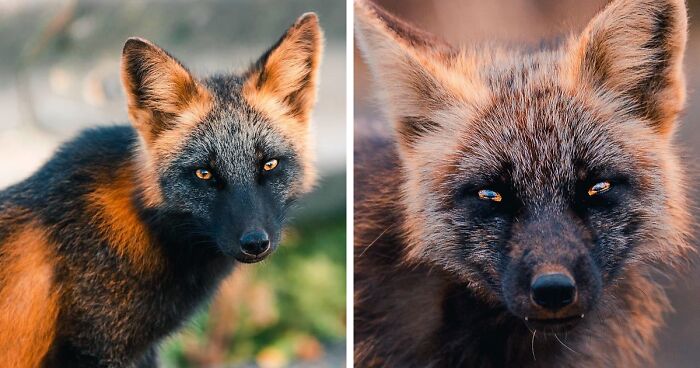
(114, 315)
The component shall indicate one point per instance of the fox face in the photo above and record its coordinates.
(539, 179)
(229, 153)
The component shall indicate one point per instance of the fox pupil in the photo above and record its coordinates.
(270, 165)
(599, 188)
(203, 174)
(490, 195)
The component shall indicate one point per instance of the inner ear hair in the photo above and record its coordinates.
(404, 32)
(422, 88)
(284, 80)
(159, 89)
(635, 49)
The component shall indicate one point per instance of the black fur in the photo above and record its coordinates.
(197, 229)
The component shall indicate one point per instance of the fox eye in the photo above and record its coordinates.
(203, 174)
(270, 165)
(490, 195)
(599, 188)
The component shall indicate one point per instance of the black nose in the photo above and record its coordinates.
(553, 291)
(255, 243)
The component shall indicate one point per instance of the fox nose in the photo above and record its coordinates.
(553, 291)
(255, 243)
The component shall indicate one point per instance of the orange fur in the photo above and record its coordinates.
(460, 111)
(286, 82)
(165, 105)
(617, 39)
(28, 299)
(284, 87)
(171, 96)
(117, 220)
(431, 83)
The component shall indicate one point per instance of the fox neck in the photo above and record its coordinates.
(425, 310)
(484, 335)
(437, 314)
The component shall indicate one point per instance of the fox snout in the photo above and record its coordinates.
(254, 246)
(249, 223)
(553, 290)
(552, 280)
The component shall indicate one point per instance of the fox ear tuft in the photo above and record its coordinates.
(634, 49)
(411, 70)
(159, 90)
(368, 13)
(285, 78)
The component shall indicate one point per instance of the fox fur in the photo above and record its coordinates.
(115, 242)
(442, 276)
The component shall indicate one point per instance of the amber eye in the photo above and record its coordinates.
(601, 187)
(270, 165)
(490, 195)
(203, 174)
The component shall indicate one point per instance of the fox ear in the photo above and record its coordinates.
(634, 49)
(410, 69)
(284, 80)
(160, 91)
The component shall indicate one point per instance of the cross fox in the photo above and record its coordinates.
(526, 199)
(117, 239)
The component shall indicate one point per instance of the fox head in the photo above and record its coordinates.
(539, 179)
(228, 153)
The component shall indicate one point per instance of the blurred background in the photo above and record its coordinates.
(59, 73)
(518, 22)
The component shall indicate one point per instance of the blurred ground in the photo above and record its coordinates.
(59, 73)
(529, 22)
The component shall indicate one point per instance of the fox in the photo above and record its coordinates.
(127, 230)
(525, 203)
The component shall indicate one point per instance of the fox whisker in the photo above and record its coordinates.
(564, 345)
